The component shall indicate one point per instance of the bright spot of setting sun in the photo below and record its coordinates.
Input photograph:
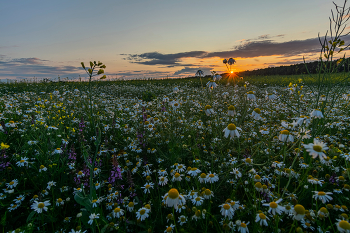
(231, 72)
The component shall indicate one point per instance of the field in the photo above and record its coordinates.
(254, 154)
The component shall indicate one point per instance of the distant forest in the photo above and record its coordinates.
(294, 69)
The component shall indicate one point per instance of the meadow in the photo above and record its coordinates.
(255, 154)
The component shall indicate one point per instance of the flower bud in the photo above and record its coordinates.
(90, 71)
(82, 64)
(91, 64)
(101, 71)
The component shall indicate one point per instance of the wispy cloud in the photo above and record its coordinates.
(248, 48)
(192, 71)
(22, 68)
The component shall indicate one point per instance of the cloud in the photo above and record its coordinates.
(21, 68)
(192, 71)
(248, 48)
(156, 58)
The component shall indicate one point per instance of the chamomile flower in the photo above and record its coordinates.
(243, 228)
(194, 171)
(212, 177)
(208, 194)
(147, 187)
(231, 110)
(343, 226)
(23, 162)
(202, 178)
(298, 212)
(226, 210)
(261, 218)
(142, 213)
(232, 131)
(92, 217)
(251, 96)
(323, 196)
(197, 201)
(256, 114)
(12, 184)
(316, 149)
(173, 198)
(40, 206)
(169, 228)
(285, 136)
(208, 110)
(162, 180)
(275, 207)
(316, 113)
(182, 220)
(117, 212)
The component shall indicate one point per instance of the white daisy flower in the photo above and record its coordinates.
(92, 217)
(162, 180)
(274, 207)
(40, 206)
(232, 131)
(316, 113)
(117, 212)
(316, 149)
(261, 218)
(174, 199)
(142, 214)
(226, 210)
(285, 136)
(323, 196)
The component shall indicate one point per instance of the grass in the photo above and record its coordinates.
(51, 147)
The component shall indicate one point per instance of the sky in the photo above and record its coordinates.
(157, 38)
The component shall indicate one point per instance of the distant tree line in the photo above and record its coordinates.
(300, 68)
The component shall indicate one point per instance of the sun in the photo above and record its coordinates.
(231, 72)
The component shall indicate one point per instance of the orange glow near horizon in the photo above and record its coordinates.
(231, 72)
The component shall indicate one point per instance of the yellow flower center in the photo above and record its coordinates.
(243, 225)
(173, 193)
(250, 92)
(203, 175)
(148, 177)
(273, 205)
(258, 185)
(324, 210)
(169, 229)
(285, 132)
(321, 193)
(146, 122)
(257, 110)
(299, 209)
(231, 107)
(257, 177)
(131, 204)
(211, 175)
(231, 127)
(207, 107)
(248, 160)
(11, 183)
(262, 216)
(193, 169)
(317, 148)
(198, 213)
(162, 179)
(207, 192)
(22, 161)
(41, 205)
(177, 175)
(142, 212)
(198, 198)
(80, 173)
(148, 186)
(183, 219)
(344, 225)
(42, 166)
(59, 200)
(116, 210)
(226, 207)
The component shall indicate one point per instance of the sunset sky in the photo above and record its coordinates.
(157, 38)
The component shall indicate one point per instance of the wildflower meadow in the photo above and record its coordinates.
(225, 154)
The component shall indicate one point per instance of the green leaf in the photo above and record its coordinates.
(103, 230)
(30, 216)
(84, 201)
